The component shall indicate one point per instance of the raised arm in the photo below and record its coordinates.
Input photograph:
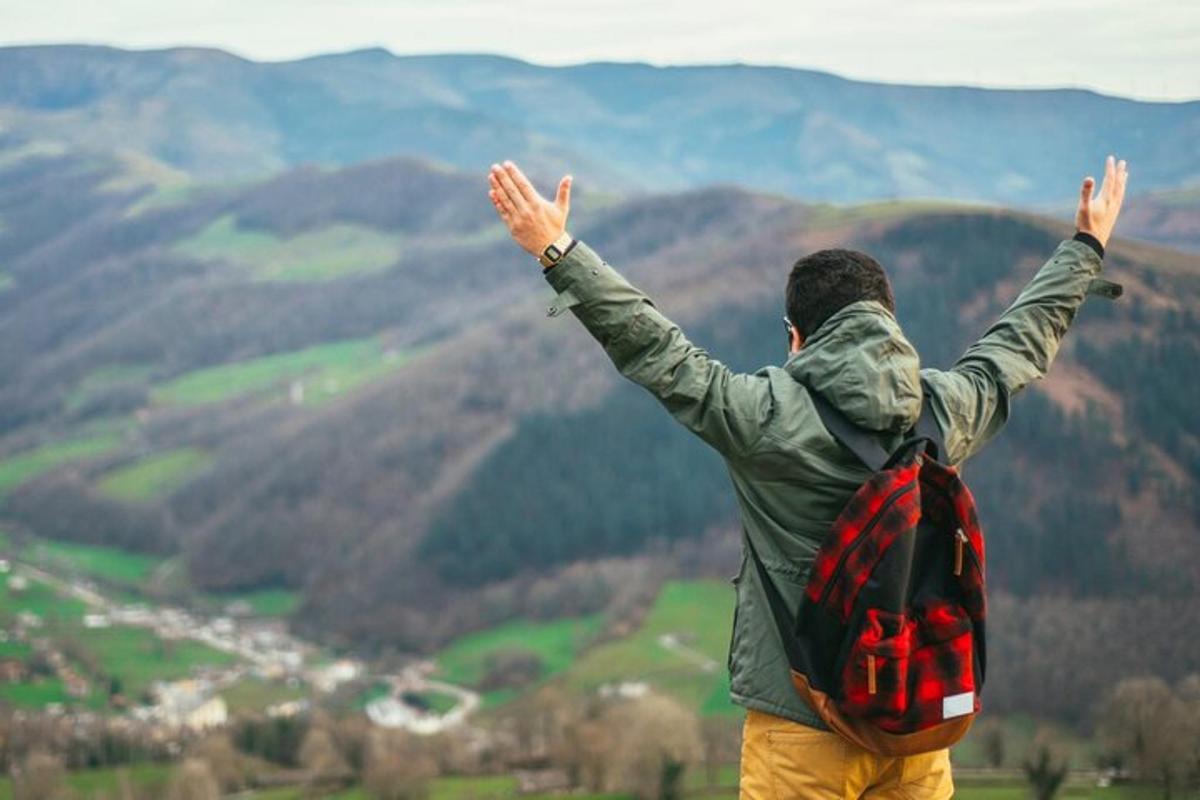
(724, 408)
(972, 398)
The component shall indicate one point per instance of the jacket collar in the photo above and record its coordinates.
(861, 362)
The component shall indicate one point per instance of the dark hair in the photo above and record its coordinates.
(824, 282)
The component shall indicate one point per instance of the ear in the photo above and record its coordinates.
(797, 341)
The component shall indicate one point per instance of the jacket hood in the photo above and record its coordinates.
(860, 361)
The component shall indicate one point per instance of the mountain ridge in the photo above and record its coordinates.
(624, 126)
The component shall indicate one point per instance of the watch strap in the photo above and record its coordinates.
(556, 250)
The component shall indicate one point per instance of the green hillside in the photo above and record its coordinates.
(329, 252)
(696, 613)
(22, 466)
(323, 370)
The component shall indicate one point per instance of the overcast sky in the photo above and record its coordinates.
(1139, 48)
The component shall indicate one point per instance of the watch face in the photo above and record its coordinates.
(553, 252)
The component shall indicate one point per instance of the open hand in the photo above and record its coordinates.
(533, 221)
(1097, 215)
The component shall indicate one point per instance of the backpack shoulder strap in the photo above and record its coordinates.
(927, 425)
(857, 440)
(863, 444)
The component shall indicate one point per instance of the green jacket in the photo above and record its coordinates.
(790, 476)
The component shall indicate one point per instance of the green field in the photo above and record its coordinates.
(700, 614)
(91, 783)
(104, 378)
(325, 371)
(256, 695)
(154, 476)
(834, 214)
(35, 694)
(557, 644)
(134, 656)
(38, 598)
(138, 658)
(330, 252)
(262, 602)
(19, 468)
(109, 564)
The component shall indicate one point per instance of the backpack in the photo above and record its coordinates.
(888, 643)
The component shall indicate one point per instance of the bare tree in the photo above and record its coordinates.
(194, 780)
(320, 756)
(584, 750)
(396, 768)
(40, 777)
(722, 738)
(1045, 769)
(655, 740)
(1188, 693)
(1154, 728)
(223, 760)
(992, 740)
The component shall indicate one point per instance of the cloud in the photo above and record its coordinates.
(1153, 53)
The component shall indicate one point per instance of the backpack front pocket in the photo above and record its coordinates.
(944, 661)
(875, 674)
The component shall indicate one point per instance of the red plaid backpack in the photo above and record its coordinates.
(888, 643)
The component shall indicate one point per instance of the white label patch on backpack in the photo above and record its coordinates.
(956, 705)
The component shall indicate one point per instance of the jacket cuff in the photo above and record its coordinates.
(1097, 286)
(1090, 241)
(575, 277)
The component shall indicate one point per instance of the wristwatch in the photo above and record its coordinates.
(554, 251)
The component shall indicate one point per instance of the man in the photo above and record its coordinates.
(790, 476)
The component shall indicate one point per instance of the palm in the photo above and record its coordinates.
(532, 220)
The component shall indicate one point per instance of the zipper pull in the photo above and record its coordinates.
(870, 674)
(960, 539)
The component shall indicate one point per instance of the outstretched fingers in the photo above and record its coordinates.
(505, 181)
(500, 196)
(1085, 192)
(522, 183)
(501, 209)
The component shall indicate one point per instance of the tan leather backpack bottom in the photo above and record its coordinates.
(872, 738)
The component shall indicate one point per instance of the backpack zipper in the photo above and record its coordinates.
(837, 570)
(961, 541)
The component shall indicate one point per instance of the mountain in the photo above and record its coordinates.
(1168, 217)
(622, 126)
(342, 381)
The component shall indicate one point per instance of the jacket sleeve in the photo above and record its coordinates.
(971, 399)
(725, 409)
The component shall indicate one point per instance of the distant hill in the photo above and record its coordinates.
(342, 382)
(1167, 217)
(623, 126)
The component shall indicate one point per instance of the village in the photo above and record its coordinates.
(262, 649)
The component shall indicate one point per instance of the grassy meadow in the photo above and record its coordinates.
(333, 251)
(325, 371)
(557, 644)
(20, 467)
(154, 476)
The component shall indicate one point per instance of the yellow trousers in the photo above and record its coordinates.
(782, 760)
